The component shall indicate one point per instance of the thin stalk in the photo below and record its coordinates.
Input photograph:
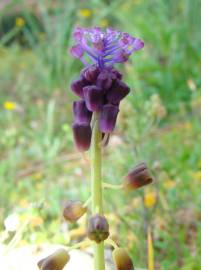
(96, 189)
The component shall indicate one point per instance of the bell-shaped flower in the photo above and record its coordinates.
(98, 228)
(81, 113)
(122, 260)
(108, 118)
(93, 96)
(117, 92)
(73, 210)
(55, 261)
(139, 176)
(82, 136)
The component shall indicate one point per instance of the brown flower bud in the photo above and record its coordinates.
(121, 259)
(55, 261)
(73, 210)
(139, 176)
(98, 228)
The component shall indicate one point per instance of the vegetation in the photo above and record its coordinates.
(159, 123)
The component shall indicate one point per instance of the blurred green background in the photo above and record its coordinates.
(159, 122)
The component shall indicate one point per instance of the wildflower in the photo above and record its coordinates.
(73, 210)
(9, 105)
(55, 261)
(98, 228)
(150, 199)
(139, 176)
(19, 22)
(100, 85)
(84, 12)
(122, 260)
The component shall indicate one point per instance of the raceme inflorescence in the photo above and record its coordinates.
(100, 89)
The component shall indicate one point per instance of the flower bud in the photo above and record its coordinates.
(77, 87)
(117, 92)
(139, 176)
(55, 261)
(82, 136)
(121, 259)
(81, 113)
(108, 118)
(91, 73)
(73, 210)
(93, 96)
(98, 228)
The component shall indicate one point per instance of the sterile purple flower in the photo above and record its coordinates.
(105, 47)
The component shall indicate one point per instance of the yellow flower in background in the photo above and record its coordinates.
(36, 221)
(23, 203)
(150, 199)
(168, 184)
(84, 12)
(19, 22)
(9, 105)
(104, 23)
(188, 125)
(197, 175)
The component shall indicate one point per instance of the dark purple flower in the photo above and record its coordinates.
(105, 79)
(77, 87)
(91, 73)
(117, 73)
(104, 47)
(108, 118)
(93, 96)
(81, 113)
(117, 92)
(82, 136)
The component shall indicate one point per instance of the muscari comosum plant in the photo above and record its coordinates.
(101, 89)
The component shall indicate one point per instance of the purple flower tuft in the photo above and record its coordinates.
(104, 47)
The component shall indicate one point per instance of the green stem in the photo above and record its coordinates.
(96, 189)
